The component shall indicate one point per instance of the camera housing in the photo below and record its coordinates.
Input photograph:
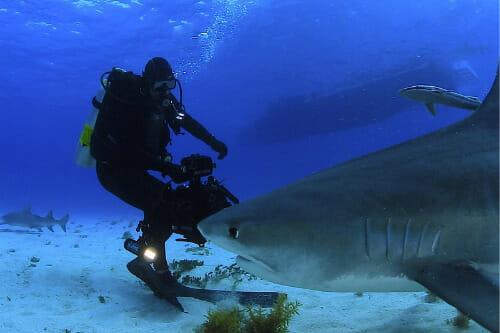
(197, 165)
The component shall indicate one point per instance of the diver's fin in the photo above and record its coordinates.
(488, 111)
(51, 228)
(171, 290)
(468, 289)
(265, 299)
(145, 272)
(432, 108)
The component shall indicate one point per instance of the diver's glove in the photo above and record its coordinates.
(219, 147)
(176, 172)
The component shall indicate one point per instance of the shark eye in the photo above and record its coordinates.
(233, 232)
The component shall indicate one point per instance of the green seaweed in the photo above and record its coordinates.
(194, 281)
(222, 321)
(461, 321)
(276, 321)
(220, 273)
(178, 267)
(185, 265)
(198, 250)
(252, 319)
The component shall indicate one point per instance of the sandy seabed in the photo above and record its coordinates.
(78, 282)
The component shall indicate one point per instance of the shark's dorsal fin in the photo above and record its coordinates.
(27, 209)
(50, 214)
(488, 111)
(431, 108)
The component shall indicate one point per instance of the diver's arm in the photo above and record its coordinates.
(198, 131)
(178, 118)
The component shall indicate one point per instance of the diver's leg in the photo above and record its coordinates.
(143, 191)
(134, 186)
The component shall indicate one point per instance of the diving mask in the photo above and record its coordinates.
(162, 86)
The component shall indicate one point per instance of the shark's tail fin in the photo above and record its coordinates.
(489, 109)
(62, 222)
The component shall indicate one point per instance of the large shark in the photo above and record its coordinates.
(421, 213)
(25, 218)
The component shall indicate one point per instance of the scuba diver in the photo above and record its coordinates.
(130, 137)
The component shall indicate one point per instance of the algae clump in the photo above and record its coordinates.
(252, 319)
(222, 321)
(461, 321)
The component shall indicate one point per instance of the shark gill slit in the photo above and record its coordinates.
(435, 241)
(367, 238)
(388, 239)
(405, 239)
(420, 239)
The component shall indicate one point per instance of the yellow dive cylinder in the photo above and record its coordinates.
(83, 156)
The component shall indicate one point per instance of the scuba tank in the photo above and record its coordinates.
(83, 156)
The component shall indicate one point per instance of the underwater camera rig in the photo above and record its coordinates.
(189, 204)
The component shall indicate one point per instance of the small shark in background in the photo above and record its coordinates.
(422, 213)
(25, 218)
(431, 95)
(370, 101)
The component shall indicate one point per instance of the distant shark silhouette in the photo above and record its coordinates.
(25, 218)
(424, 211)
(368, 103)
(431, 95)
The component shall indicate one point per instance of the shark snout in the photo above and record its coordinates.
(217, 229)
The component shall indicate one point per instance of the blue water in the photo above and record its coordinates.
(234, 58)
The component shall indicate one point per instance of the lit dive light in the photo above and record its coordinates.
(149, 253)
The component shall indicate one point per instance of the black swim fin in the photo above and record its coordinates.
(147, 274)
(172, 289)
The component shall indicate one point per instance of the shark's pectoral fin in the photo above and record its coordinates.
(464, 287)
(432, 108)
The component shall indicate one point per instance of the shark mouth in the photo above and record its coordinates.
(252, 262)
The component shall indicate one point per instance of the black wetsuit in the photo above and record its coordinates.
(130, 137)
